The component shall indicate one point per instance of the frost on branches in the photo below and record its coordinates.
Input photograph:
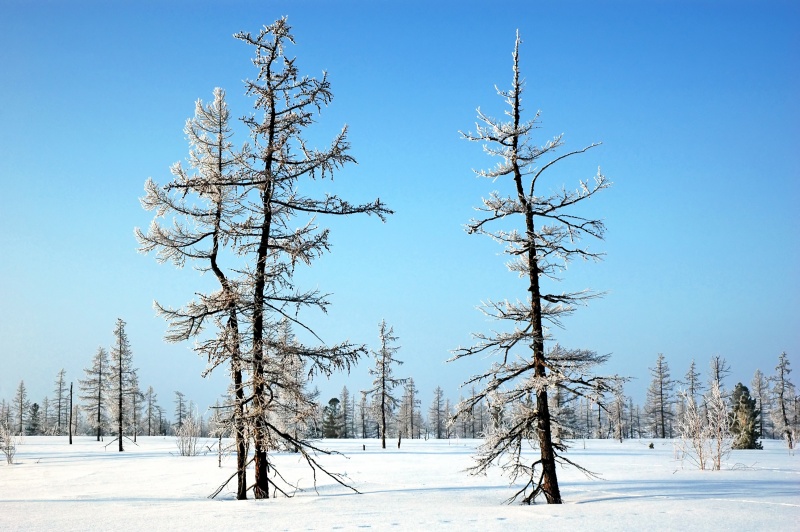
(517, 385)
(243, 214)
(704, 430)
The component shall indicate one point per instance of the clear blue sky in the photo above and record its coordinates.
(696, 104)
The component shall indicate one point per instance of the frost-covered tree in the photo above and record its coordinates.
(347, 414)
(437, 416)
(268, 224)
(60, 392)
(692, 383)
(704, 430)
(363, 414)
(205, 203)
(294, 406)
(718, 369)
(617, 414)
(384, 382)
(275, 162)
(136, 402)
(46, 416)
(181, 409)
(783, 392)
(760, 388)
(543, 242)
(94, 391)
(20, 406)
(121, 379)
(410, 418)
(151, 411)
(660, 398)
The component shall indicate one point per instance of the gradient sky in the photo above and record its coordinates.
(696, 104)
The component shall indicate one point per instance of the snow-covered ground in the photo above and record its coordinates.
(55, 486)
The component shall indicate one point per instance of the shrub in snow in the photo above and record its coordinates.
(705, 437)
(187, 437)
(8, 442)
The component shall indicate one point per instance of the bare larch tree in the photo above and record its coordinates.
(783, 391)
(94, 389)
(526, 371)
(204, 203)
(122, 377)
(660, 397)
(275, 162)
(383, 380)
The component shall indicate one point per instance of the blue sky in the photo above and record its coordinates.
(695, 103)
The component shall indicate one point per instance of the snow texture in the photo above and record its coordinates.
(55, 486)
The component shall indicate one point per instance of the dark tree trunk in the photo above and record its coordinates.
(119, 397)
(70, 413)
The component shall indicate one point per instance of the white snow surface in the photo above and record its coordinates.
(421, 486)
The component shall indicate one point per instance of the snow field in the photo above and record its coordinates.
(421, 486)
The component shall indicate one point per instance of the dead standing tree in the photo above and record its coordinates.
(526, 371)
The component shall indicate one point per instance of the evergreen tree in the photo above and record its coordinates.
(332, 419)
(34, 424)
(744, 416)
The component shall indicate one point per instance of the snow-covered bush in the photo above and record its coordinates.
(705, 437)
(187, 437)
(8, 442)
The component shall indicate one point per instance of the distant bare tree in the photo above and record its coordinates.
(384, 382)
(783, 391)
(660, 397)
(94, 390)
(121, 380)
(760, 388)
(20, 405)
(60, 401)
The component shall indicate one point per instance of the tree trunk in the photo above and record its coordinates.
(70, 413)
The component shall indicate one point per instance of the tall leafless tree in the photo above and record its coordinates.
(540, 249)
(94, 390)
(383, 380)
(60, 393)
(783, 391)
(660, 397)
(206, 201)
(278, 158)
(251, 203)
(121, 379)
